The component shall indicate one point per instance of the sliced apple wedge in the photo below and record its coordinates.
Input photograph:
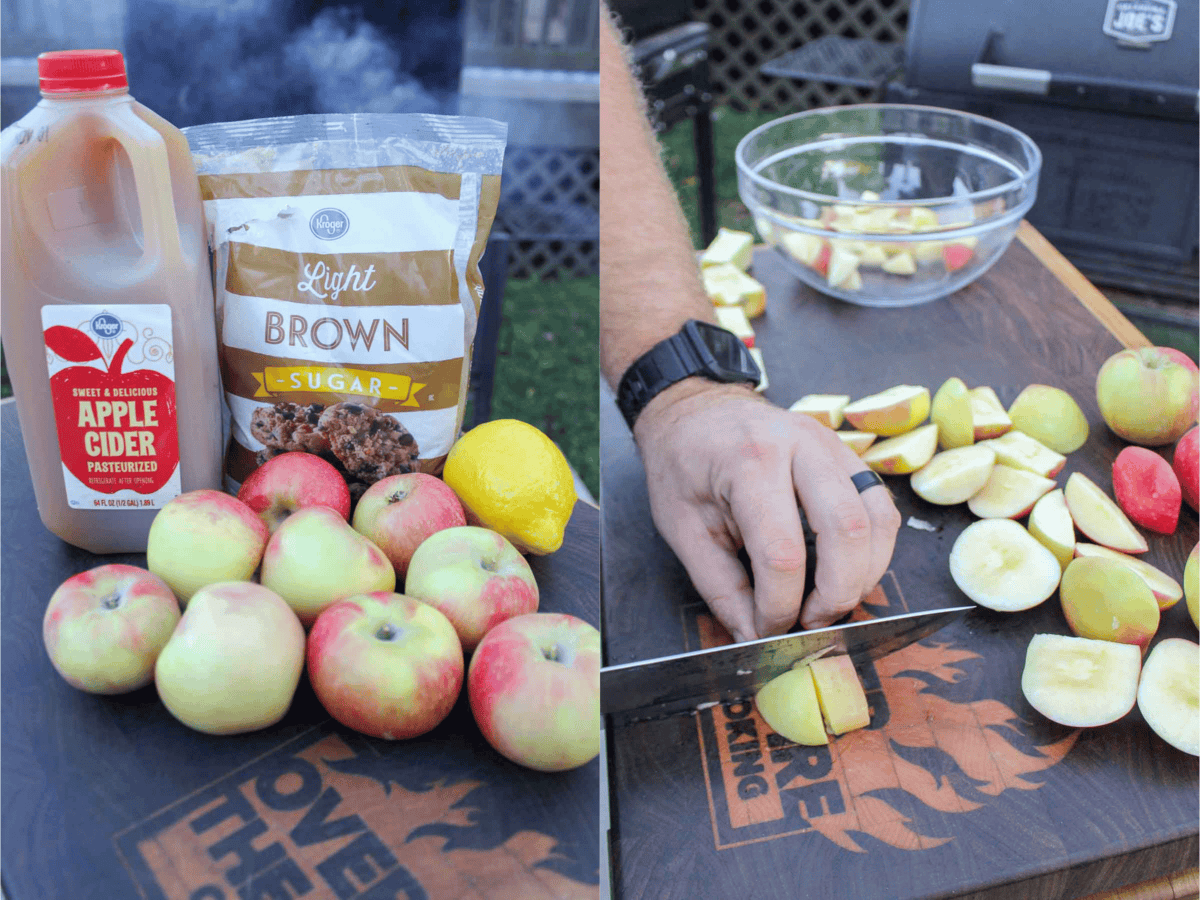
(789, 705)
(900, 263)
(840, 694)
(889, 413)
(1051, 415)
(1019, 450)
(953, 476)
(733, 318)
(858, 441)
(825, 408)
(1001, 566)
(1078, 682)
(903, 454)
(988, 415)
(1104, 600)
(1051, 524)
(808, 249)
(1168, 696)
(1009, 493)
(951, 412)
(1099, 518)
(1167, 591)
(843, 268)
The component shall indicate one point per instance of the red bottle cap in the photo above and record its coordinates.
(67, 71)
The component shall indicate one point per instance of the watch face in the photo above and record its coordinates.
(729, 355)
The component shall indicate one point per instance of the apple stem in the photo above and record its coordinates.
(118, 360)
(112, 601)
(387, 632)
(488, 565)
(557, 653)
(397, 495)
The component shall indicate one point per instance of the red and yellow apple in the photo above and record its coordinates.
(475, 577)
(1106, 601)
(951, 412)
(385, 664)
(397, 513)
(1186, 464)
(1051, 416)
(315, 559)
(104, 628)
(534, 688)
(905, 453)
(292, 481)
(1099, 518)
(891, 412)
(1147, 396)
(234, 660)
(203, 537)
(1146, 488)
(1166, 589)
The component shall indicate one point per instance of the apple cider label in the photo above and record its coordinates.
(112, 380)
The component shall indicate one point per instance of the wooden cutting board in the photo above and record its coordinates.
(108, 798)
(958, 788)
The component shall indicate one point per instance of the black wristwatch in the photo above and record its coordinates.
(698, 349)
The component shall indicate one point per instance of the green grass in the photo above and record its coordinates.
(729, 127)
(548, 366)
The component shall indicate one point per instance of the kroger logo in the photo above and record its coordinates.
(329, 224)
(105, 325)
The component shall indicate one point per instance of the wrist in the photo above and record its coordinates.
(685, 397)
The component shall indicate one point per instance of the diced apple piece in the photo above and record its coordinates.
(927, 251)
(733, 318)
(808, 249)
(873, 254)
(1168, 696)
(1099, 518)
(1191, 585)
(922, 219)
(951, 412)
(757, 356)
(1001, 566)
(988, 415)
(840, 694)
(953, 476)
(789, 705)
(1051, 524)
(729, 246)
(903, 454)
(1009, 493)
(858, 441)
(1078, 682)
(825, 408)
(1019, 450)
(1051, 415)
(843, 265)
(727, 285)
(1145, 487)
(1167, 591)
(889, 413)
(901, 263)
(956, 255)
(1105, 601)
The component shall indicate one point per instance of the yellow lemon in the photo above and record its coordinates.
(514, 480)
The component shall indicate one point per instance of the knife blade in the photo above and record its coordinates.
(671, 685)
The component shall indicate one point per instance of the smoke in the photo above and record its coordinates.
(194, 63)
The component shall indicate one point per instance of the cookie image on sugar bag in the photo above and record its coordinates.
(289, 426)
(369, 443)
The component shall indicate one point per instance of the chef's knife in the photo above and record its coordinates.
(669, 685)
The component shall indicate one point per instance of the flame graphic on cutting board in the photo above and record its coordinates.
(922, 748)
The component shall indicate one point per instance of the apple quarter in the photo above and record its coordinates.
(1168, 695)
(1001, 566)
(1078, 682)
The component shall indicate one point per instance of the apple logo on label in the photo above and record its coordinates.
(329, 224)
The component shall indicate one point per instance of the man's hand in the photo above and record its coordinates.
(725, 469)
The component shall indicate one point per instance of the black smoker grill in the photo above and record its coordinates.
(1108, 89)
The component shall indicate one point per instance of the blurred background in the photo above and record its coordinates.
(1107, 88)
(531, 63)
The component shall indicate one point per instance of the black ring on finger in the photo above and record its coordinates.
(865, 480)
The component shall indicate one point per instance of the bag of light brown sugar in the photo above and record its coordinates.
(346, 266)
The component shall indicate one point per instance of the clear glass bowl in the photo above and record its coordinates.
(887, 204)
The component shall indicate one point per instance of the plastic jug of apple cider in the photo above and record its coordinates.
(107, 307)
